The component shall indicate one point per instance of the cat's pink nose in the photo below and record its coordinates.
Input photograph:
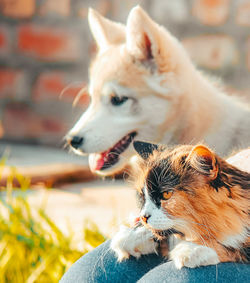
(145, 218)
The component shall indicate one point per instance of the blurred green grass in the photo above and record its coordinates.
(32, 247)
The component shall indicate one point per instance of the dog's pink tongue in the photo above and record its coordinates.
(96, 161)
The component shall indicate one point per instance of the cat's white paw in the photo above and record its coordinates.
(192, 255)
(133, 241)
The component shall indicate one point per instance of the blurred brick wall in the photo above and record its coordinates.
(45, 46)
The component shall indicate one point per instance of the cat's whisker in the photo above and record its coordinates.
(196, 200)
(192, 233)
(204, 227)
(210, 237)
(152, 183)
(101, 261)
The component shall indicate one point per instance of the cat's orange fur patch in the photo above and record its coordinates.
(214, 204)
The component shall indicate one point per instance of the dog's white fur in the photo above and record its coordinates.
(170, 101)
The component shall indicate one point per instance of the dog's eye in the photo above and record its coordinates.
(118, 100)
(167, 195)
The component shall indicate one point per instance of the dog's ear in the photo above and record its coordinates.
(145, 149)
(142, 35)
(204, 161)
(104, 31)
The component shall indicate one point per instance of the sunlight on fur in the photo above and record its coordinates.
(159, 96)
(207, 211)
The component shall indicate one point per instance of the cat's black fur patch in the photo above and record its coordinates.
(244, 253)
(159, 179)
(229, 177)
(145, 149)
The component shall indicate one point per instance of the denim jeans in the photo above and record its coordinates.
(100, 265)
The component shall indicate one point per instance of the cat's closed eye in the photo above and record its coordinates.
(167, 195)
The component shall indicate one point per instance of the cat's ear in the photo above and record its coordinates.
(144, 149)
(204, 161)
(104, 31)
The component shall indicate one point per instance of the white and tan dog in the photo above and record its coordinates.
(144, 86)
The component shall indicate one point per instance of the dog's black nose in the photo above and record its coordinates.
(76, 142)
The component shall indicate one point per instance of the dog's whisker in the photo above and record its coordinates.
(79, 95)
(69, 86)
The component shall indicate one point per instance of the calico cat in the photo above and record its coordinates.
(192, 199)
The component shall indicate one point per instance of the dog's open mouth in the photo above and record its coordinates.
(108, 158)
